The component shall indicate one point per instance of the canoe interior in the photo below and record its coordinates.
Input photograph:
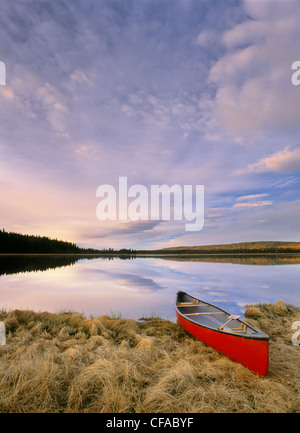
(210, 316)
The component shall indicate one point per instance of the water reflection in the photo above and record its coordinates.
(15, 263)
(144, 286)
(250, 259)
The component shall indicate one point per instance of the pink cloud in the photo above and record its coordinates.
(251, 197)
(257, 204)
(286, 160)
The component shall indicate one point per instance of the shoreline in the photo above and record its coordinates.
(66, 362)
(149, 255)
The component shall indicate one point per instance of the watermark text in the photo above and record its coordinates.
(295, 339)
(159, 202)
(2, 74)
(2, 334)
(296, 75)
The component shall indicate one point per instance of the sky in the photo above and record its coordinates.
(185, 92)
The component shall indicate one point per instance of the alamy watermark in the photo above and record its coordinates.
(295, 78)
(2, 74)
(2, 334)
(295, 341)
(160, 202)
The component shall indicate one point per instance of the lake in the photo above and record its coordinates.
(144, 286)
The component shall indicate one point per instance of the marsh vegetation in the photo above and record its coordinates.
(66, 362)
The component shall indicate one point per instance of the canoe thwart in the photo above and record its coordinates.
(195, 302)
(198, 314)
(230, 318)
(189, 304)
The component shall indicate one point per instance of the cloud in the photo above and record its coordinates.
(128, 228)
(245, 33)
(207, 38)
(7, 92)
(162, 92)
(253, 77)
(250, 197)
(286, 160)
(257, 204)
(251, 201)
(33, 98)
(137, 282)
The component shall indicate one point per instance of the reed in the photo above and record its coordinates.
(68, 363)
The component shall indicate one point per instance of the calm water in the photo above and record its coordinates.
(143, 286)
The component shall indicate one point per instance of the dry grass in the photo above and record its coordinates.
(68, 363)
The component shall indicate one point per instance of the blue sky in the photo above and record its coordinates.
(161, 91)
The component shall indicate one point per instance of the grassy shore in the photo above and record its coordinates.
(68, 363)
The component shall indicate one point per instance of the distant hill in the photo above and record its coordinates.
(237, 248)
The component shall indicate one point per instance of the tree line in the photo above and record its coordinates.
(19, 243)
(16, 243)
(29, 244)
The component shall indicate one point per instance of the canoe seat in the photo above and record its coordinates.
(195, 303)
(242, 328)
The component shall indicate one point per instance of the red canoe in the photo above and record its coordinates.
(224, 332)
